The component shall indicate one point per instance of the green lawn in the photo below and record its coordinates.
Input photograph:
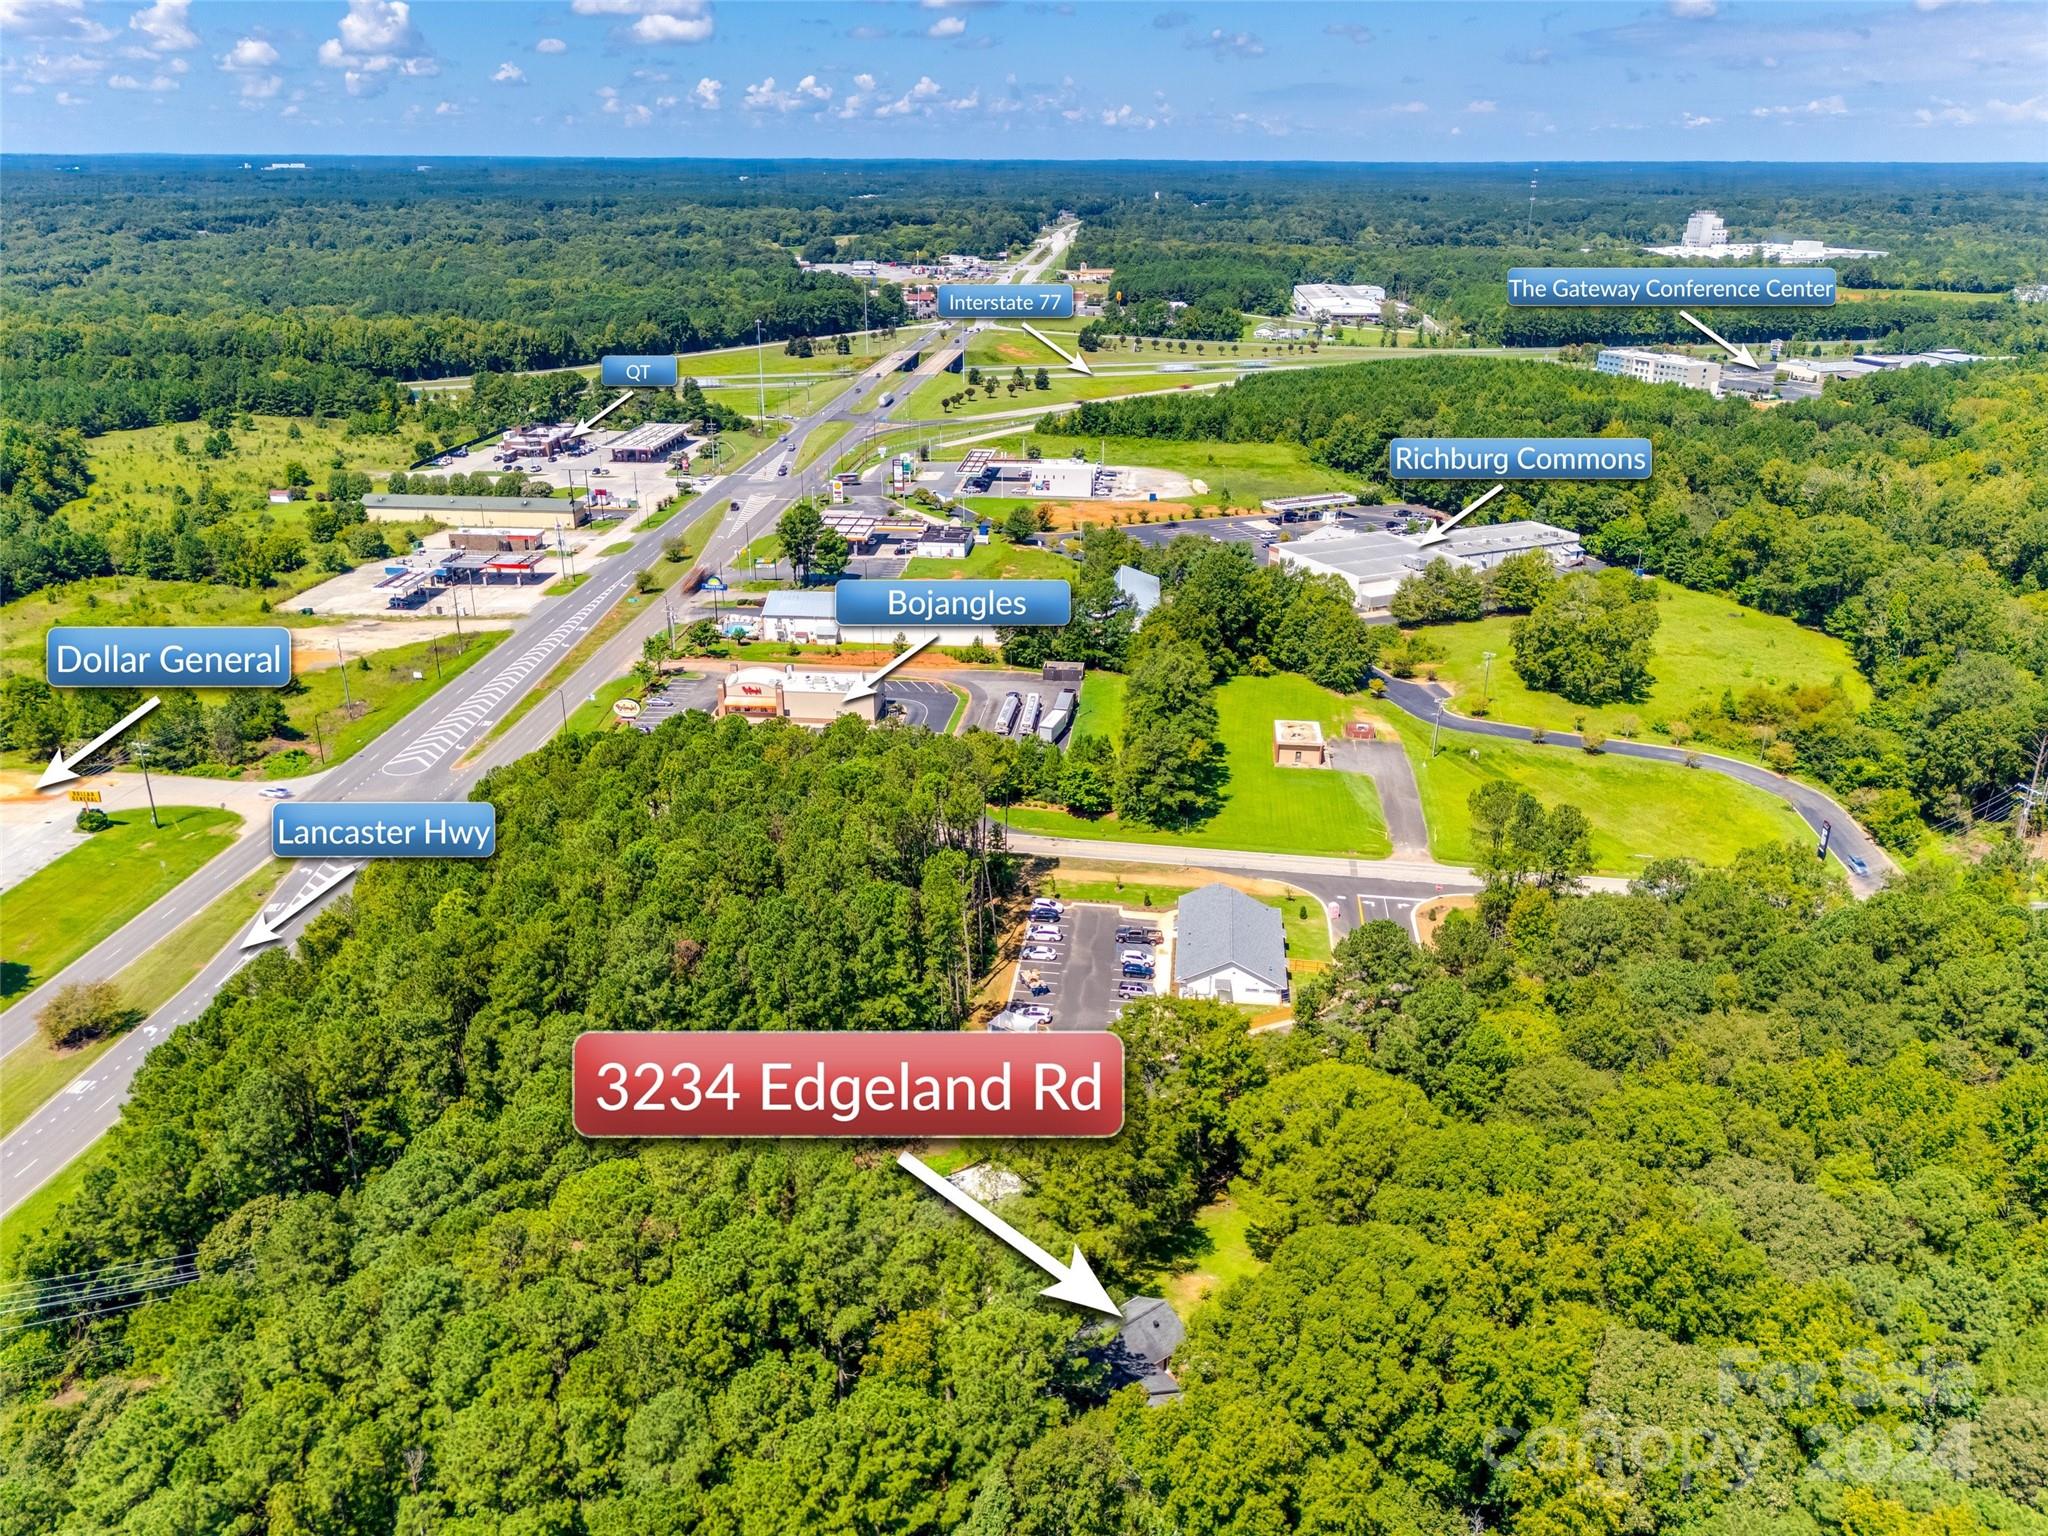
(1221, 1254)
(31, 1073)
(997, 559)
(35, 1213)
(1235, 474)
(1102, 705)
(820, 438)
(1063, 387)
(1308, 932)
(1266, 808)
(1706, 644)
(1638, 810)
(739, 362)
(69, 905)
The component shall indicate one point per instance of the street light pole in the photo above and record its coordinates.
(1486, 677)
(760, 372)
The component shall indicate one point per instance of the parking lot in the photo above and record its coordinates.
(1078, 983)
(916, 702)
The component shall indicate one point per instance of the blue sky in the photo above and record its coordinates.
(1943, 80)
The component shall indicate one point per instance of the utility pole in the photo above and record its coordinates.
(2031, 793)
(319, 740)
(142, 762)
(1486, 677)
(343, 663)
(760, 372)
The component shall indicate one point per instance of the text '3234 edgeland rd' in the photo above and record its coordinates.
(908, 1084)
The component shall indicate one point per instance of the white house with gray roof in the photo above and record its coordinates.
(1230, 947)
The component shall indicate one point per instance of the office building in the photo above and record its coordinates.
(538, 512)
(1660, 368)
(1230, 947)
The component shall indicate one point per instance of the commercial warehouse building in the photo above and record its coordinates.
(1340, 301)
(1375, 564)
(538, 512)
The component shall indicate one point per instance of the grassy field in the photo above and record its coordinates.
(137, 470)
(738, 362)
(70, 904)
(820, 440)
(998, 559)
(1266, 808)
(379, 694)
(1705, 645)
(1005, 347)
(1638, 810)
(1235, 474)
(1102, 705)
(32, 1073)
(25, 622)
(1063, 387)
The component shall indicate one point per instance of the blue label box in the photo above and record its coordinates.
(1519, 458)
(623, 372)
(938, 604)
(1662, 287)
(169, 656)
(422, 829)
(1006, 301)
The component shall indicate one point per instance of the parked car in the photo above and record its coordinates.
(1133, 989)
(1040, 952)
(1047, 904)
(1048, 933)
(1137, 968)
(1129, 934)
(1038, 1013)
(274, 792)
(1135, 957)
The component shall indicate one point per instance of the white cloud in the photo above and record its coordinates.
(707, 92)
(165, 25)
(655, 21)
(158, 82)
(807, 93)
(250, 60)
(376, 39)
(1820, 106)
(1223, 44)
(1482, 106)
(864, 80)
(1694, 10)
(66, 99)
(917, 99)
(447, 109)
(64, 19)
(551, 45)
(965, 103)
(509, 73)
(947, 26)
(2033, 110)
(1409, 108)
(1693, 120)
(1125, 116)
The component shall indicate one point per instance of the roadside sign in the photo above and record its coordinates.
(86, 796)
(626, 709)
(713, 584)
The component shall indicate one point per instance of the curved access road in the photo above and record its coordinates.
(1847, 840)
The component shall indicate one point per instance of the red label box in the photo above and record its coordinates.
(881, 1084)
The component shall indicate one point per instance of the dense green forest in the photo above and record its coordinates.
(1906, 512)
(1716, 1207)
(1444, 237)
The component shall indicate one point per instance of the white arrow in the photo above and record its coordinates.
(59, 771)
(266, 927)
(864, 686)
(1075, 1281)
(1436, 534)
(1074, 361)
(583, 427)
(1740, 354)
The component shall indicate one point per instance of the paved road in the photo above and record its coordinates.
(1386, 764)
(1847, 840)
(430, 754)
